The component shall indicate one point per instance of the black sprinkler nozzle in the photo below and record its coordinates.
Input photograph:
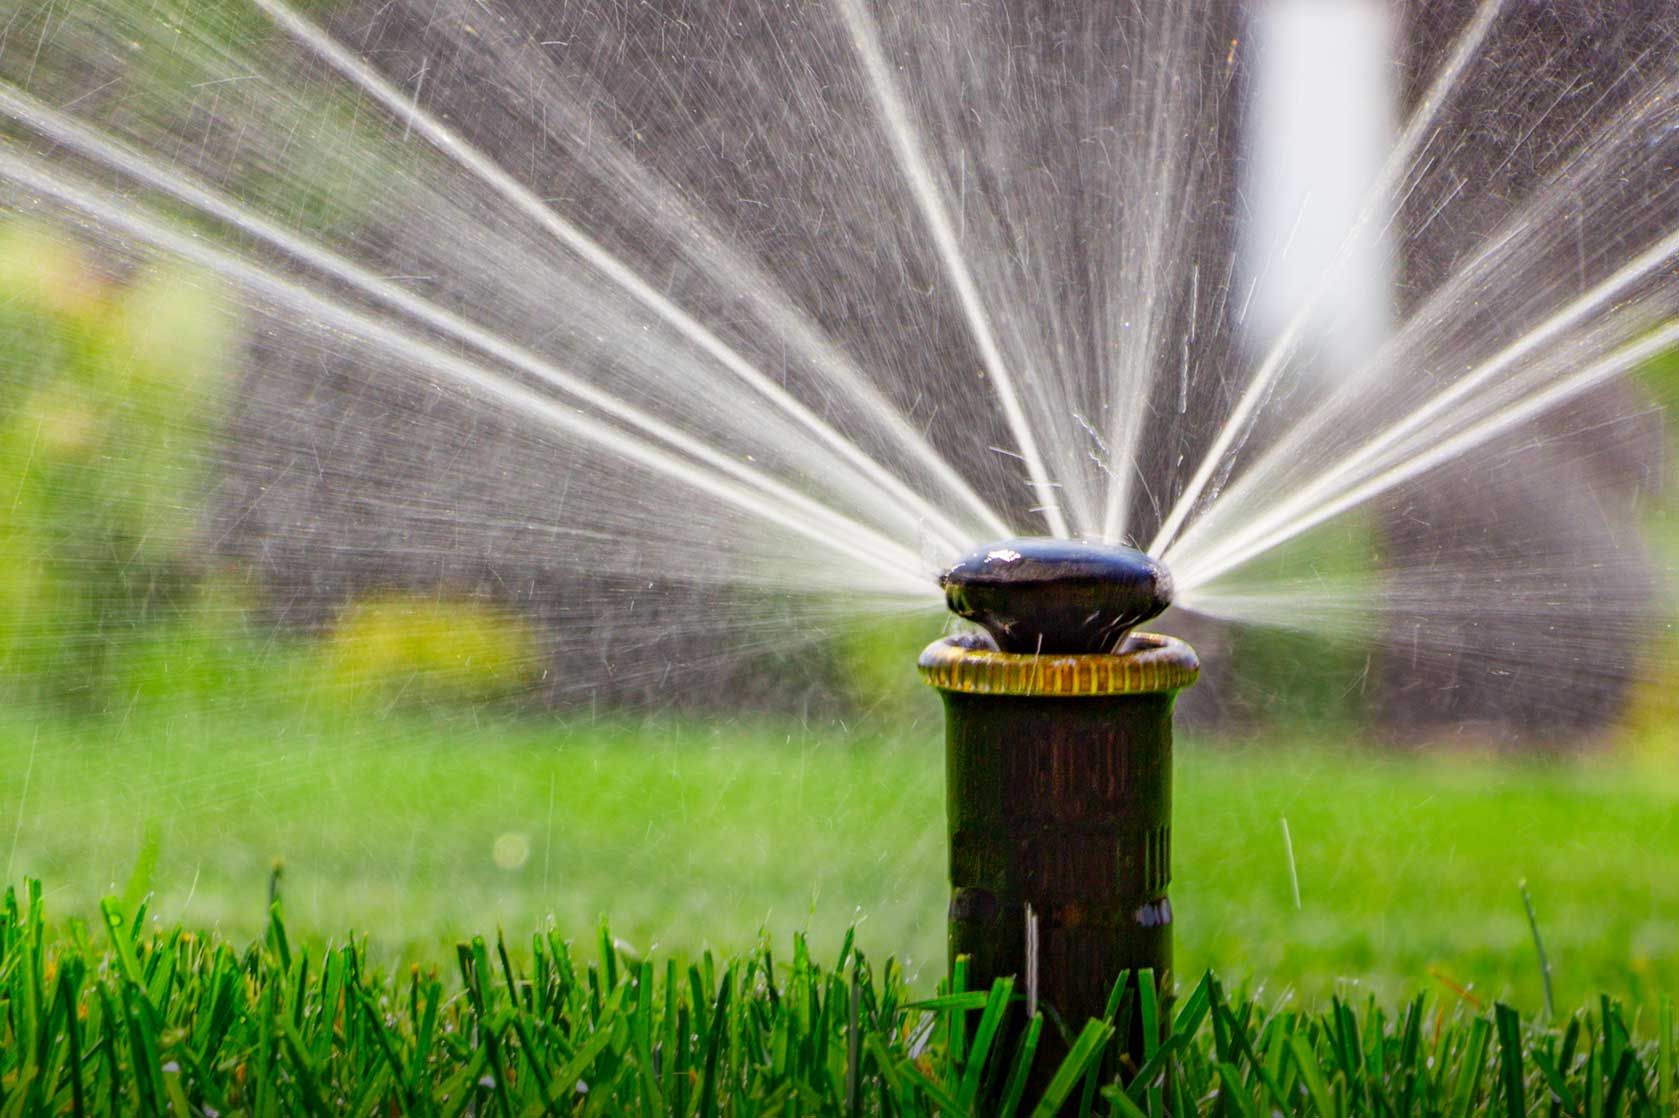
(1057, 596)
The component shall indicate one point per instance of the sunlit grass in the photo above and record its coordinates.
(123, 1021)
(416, 829)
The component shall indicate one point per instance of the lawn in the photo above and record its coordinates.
(418, 829)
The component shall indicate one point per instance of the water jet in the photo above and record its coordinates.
(1058, 757)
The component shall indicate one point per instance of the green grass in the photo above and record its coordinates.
(418, 830)
(174, 1024)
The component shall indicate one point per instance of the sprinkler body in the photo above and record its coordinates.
(1059, 774)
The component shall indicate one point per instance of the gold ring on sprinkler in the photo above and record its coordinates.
(1148, 664)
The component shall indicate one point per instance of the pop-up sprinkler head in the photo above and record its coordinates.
(1058, 773)
(1057, 596)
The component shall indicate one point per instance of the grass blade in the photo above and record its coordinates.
(1664, 1056)
(1232, 1092)
(1023, 1058)
(1116, 995)
(946, 1003)
(1617, 1084)
(1311, 1074)
(1148, 1005)
(1469, 1068)
(1555, 1080)
(1510, 1061)
(1083, 1053)
(996, 1008)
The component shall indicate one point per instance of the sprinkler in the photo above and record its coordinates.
(1058, 758)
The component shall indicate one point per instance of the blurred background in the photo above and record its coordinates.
(271, 621)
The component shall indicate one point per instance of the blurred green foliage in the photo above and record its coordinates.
(875, 656)
(113, 394)
(1660, 377)
(396, 646)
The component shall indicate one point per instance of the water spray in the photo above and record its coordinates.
(1058, 755)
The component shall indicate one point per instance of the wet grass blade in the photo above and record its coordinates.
(1233, 1094)
(1117, 996)
(965, 1002)
(69, 984)
(122, 941)
(985, 1034)
(1084, 1052)
(1665, 1101)
(955, 1028)
(1618, 1084)
(934, 1091)
(1194, 1009)
(1148, 1006)
(1025, 1054)
(1558, 1084)
(1244, 1044)
(1311, 1075)
(1510, 1061)
(1469, 1068)
(1409, 1071)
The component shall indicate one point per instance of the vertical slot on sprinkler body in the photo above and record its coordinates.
(1059, 796)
